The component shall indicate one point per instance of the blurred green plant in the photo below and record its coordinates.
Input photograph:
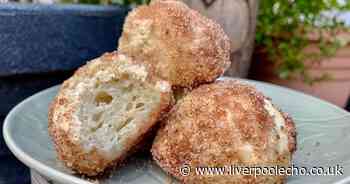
(284, 29)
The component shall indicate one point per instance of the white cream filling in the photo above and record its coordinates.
(280, 125)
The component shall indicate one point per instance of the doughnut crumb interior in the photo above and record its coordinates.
(103, 111)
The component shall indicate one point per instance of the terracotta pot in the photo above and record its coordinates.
(335, 90)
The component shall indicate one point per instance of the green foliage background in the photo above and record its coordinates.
(283, 33)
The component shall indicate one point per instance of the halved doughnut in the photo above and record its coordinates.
(104, 110)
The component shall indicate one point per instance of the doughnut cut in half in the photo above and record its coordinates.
(104, 110)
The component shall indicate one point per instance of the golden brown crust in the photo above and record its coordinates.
(292, 134)
(216, 125)
(62, 108)
(186, 48)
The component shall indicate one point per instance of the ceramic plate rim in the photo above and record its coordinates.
(60, 176)
(27, 159)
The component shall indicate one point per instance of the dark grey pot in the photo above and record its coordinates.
(41, 44)
(45, 38)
